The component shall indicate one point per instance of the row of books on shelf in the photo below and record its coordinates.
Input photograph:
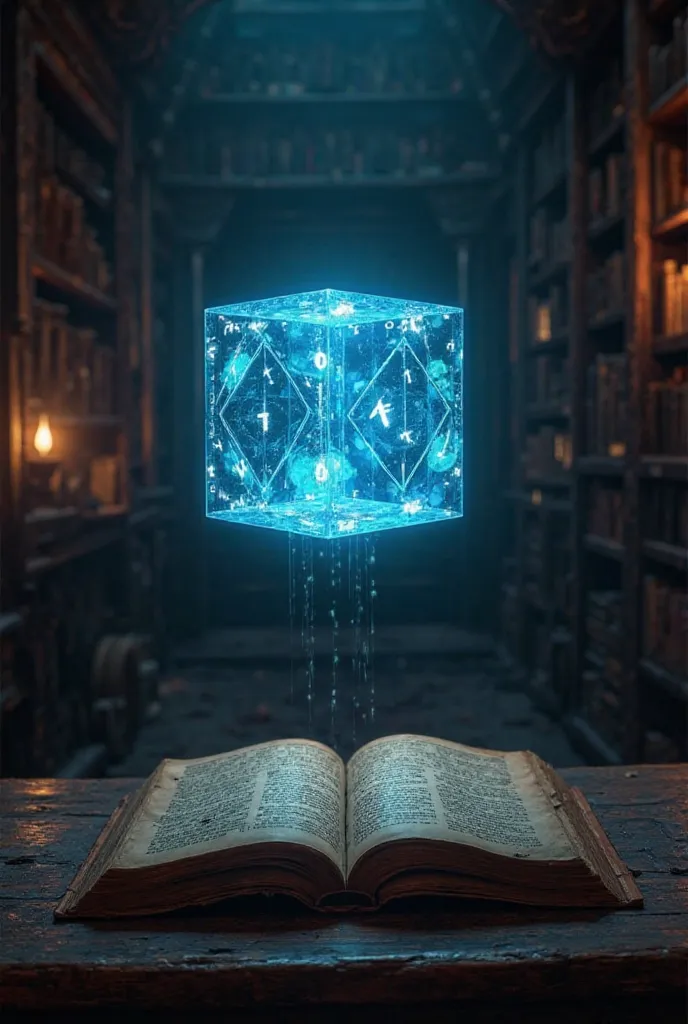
(67, 368)
(550, 239)
(547, 317)
(606, 101)
(667, 63)
(606, 287)
(606, 189)
(605, 511)
(342, 152)
(549, 159)
(602, 680)
(65, 238)
(669, 179)
(549, 383)
(667, 414)
(276, 69)
(665, 625)
(547, 454)
(603, 622)
(606, 411)
(57, 153)
(666, 513)
(673, 298)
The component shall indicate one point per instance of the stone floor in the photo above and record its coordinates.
(466, 692)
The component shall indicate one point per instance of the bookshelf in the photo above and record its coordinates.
(602, 306)
(70, 338)
(285, 103)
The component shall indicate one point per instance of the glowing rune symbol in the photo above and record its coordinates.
(320, 360)
(321, 473)
(240, 469)
(382, 410)
(405, 435)
(407, 375)
(264, 416)
(267, 372)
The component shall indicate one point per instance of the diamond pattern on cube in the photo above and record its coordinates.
(264, 415)
(334, 413)
(399, 414)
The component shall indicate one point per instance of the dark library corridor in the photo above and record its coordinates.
(512, 177)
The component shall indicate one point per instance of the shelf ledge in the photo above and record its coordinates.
(71, 284)
(672, 106)
(675, 223)
(670, 683)
(604, 546)
(672, 555)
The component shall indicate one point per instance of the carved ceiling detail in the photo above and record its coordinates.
(560, 27)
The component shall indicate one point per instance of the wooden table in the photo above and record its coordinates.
(472, 962)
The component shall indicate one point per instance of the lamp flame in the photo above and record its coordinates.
(43, 438)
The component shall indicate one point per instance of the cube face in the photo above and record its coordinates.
(333, 413)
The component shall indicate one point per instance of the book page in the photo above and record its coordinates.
(285, 791)
(403, 787)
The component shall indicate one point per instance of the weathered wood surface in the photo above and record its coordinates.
(627, 966)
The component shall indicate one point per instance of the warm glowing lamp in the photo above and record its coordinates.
(43, 438)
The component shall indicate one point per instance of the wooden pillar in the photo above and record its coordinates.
(638, 348)
(189, 458)
(579, 358)
(16, 241)
(149, 410)
(522, 193)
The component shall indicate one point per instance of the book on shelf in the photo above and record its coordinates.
(547, 454)
(57, 153)
(603, 678)
(64, 238)
(338, 153)
(549, 159)
(606, 189)
(666, 513)
(549, 316)
(549, 384)
(272, 69)
(67, 369)
(667, 63)
(673, 298)
(607, 405)
(549, 239)
(667, 414)
(665, 625)
(669, 179)
(606, 287)
(605, 511)
(606, 101)
(407, 816)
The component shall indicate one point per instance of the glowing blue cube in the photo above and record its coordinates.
(333, 413)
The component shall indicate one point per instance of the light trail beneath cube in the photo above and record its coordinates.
(334, 415)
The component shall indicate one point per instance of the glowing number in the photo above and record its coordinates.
(320, 360)
(389, 325)
(321, 473)
(407, 374)
(264, 417)
(381, 410)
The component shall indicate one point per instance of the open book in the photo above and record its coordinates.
(409, 815)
